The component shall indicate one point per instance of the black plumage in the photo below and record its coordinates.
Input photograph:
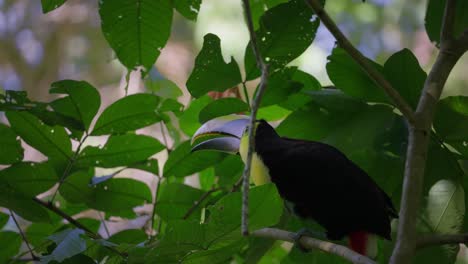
(323, 184)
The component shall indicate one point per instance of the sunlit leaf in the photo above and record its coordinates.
(189, 119)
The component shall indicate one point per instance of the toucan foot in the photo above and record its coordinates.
(306, 232)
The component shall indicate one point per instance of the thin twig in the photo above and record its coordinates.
(69, 166)
(104, 224)
(34, 257)
(441, 239)
(312, 243)
(246, 94)
(65, 216)
(375, 75)
(446, 33)
(163, 133)
(253, 114)
(153, 213)
(199, 201)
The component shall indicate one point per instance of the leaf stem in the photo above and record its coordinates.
(246, 94)
(34, 257)
(153, 213)
(199, 201)
(253, 114)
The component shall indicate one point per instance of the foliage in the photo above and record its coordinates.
(202, 225)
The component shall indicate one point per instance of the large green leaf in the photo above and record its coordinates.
(49, 5)
(402, 70)
(11, 150)
(265, 209)
(222, 107)
(211, 73)
(348, 76)
(120, 195)
(217, 255)
(259, 7)
(280, 86)
(3, 219)
(69, 243)
(188, 8)
(130, 236)
(189, 119)
(136, 30)
(76, 188)
(21, 204)
(435, 13)
(129, 113)
(451, 122)
(82, 102)
(120, 150)
(281, 41)
(51, 141)
(175, 199)
(30, 178)
(11, 243)
(183, 162)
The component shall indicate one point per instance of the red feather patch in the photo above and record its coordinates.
(358, 241)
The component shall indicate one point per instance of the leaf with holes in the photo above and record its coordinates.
(49, 5)
(281, 41)
(188, 8)
(211, 73)
(136, 30)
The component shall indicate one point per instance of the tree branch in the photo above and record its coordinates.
(441, 239)
(253, 114)
(33, 256)
(376, 76)
(312, 243)
(199, 201)
(419, 134)
(65, 216)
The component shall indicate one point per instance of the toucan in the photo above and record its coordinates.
(318, 180)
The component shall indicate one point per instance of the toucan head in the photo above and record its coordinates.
(222, 134)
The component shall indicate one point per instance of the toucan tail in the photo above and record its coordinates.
(358, 242)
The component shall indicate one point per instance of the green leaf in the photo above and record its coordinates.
(273, 112)
(451, 122)
(402, 70)
(229, 170)
(188, 8)
(163, 88)
(214, 256)
(11, 243)
(30, 178)
(37, 232)
(188, 121)
(51, 141)
(175, 199)
(69, 243)
(222, 107)
(211, 73)
(129, 113)
(136, 30)
(82, 102)
(119, 150)
(265, 209)
(76, 187)
(279, 41)
(348, 76)
(119, 195)
(130, 236)
(49, 5)
(11, 150)
(280, 87)
(3, 219)
(150, 165)
(435, 14)
(183, 162)
(259, 7)
(21, 204)
(79, 259)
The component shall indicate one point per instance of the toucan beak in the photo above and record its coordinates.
(221, 134)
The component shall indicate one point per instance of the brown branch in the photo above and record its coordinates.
(419, 134)
(65, 216)
(33, 256)
(441, 239)
(312, 243)
(199, 201)
(253, 114)
(376, 76)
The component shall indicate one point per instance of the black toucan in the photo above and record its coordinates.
(317, 179)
